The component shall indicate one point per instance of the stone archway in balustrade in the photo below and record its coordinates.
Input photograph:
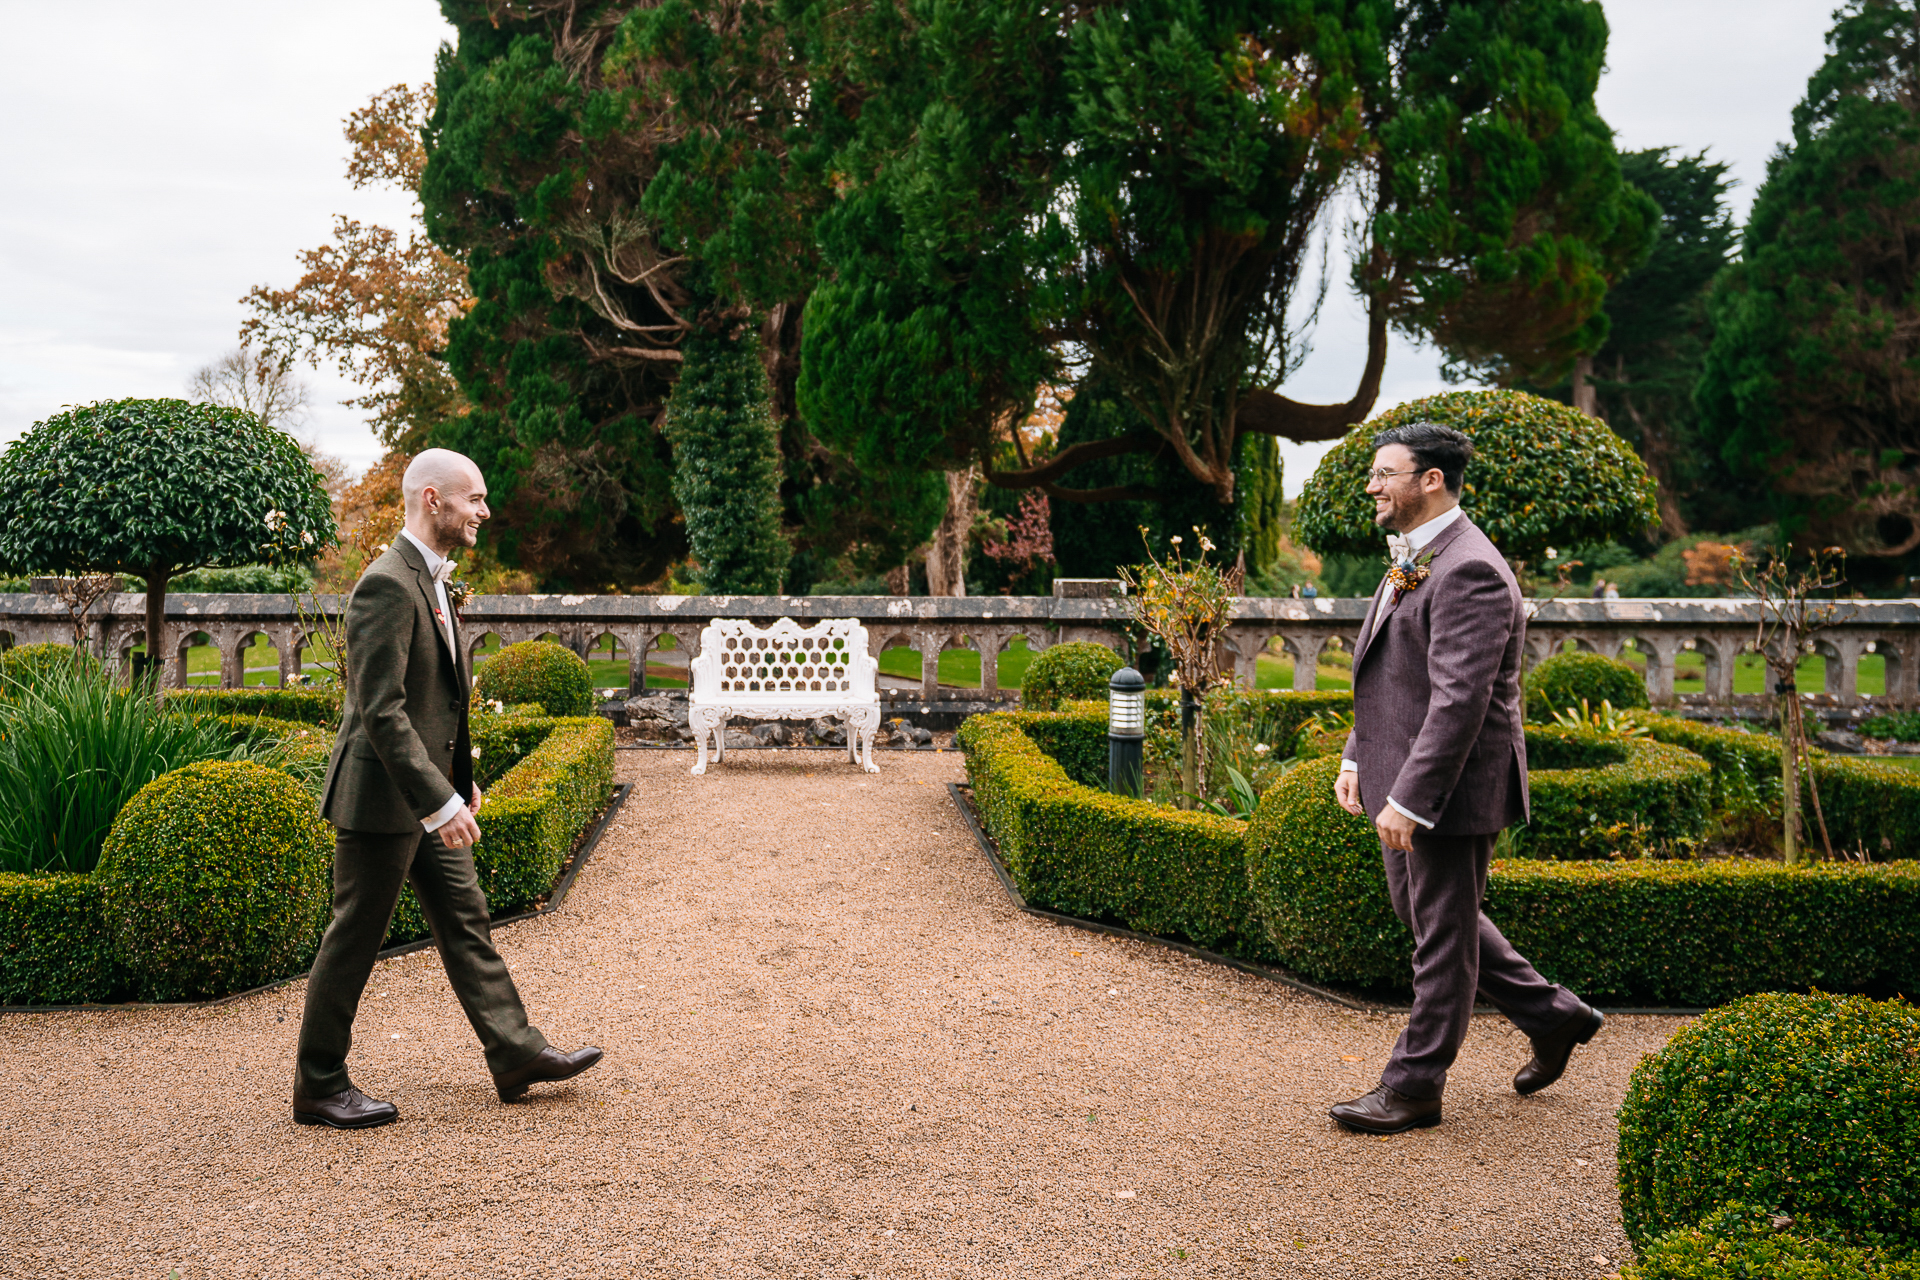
(997, 641)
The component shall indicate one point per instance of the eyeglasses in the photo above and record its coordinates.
(1382, 474)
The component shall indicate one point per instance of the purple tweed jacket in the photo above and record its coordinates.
(1437, 708)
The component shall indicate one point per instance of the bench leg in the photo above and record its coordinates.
(703, 721)
(863, 723)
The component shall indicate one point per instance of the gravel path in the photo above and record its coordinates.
(833, 1049)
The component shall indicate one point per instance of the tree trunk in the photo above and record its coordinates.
(1656, 450)
(157, 624)
(947, 557)
(1583, 393)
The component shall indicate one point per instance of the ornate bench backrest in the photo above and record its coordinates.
(826, 660)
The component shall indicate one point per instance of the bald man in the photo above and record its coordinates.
(401, 796)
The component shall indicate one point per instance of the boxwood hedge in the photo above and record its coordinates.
(1564, 679)
(537, 671)
(1757, 1251)
(1602, 796)
(306, 706)
(54, 946)
(1087, 852)
(1801, 1106)
(530, 816)
(1655, 932)
(1076, 671)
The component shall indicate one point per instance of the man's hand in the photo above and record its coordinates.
(459, 831)
(1346, 789)
(1396, 829)
(473, 805)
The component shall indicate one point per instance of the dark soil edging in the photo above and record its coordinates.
(963, 801)
(583, 849)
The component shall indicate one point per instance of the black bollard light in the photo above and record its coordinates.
(1126, 732)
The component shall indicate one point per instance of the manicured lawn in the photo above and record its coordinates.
(1749, 673)
(960, 668)
(1275, 671)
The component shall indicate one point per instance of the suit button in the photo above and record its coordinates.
(453, 706)
(449, 744)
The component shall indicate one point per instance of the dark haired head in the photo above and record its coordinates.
(1432, 446)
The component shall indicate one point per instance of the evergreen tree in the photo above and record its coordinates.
(727, 465)
(1812, 382)
(1263, 505)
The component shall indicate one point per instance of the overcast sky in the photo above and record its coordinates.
(165, 159)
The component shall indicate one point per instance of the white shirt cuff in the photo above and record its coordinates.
(435, 821)
(1348, 766)
(1398, 808)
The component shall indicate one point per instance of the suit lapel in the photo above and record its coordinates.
(424, 578)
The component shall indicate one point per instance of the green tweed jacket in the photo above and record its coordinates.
(403, 748)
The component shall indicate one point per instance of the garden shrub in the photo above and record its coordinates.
(214, 879)
(302, 751)
(1804, 1106)
(538, 671)
(530, 818)
(1872, 807)
(1755, 1251)
(54, 946)
(29, 664)
(1655, 932)
(1561, 681)
(1315, 871)
(1076, 671)
(307, 706)
(1901, 726)
(1599, 796)
(1087, 852)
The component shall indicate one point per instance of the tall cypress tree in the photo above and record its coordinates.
(726, 471)
(1813, 379)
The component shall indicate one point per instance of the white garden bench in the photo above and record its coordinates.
(784, 672)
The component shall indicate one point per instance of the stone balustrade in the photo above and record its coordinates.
(1658, 630)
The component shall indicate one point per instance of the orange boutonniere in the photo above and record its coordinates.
(1405, 570)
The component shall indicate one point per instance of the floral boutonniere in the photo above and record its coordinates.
(1405, 570)
(459, 591)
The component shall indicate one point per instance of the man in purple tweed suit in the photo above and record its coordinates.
(1439, 759)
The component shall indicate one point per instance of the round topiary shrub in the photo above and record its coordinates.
(214, 879)
(1068, 673)
(1543, 475)
(1316, 873)
(1806, 1107)
(1597, 795)
(1564, 679)
(537, 671)
(1741, 1243)
(27, 664)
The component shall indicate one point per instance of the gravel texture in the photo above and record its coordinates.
(833, 1049)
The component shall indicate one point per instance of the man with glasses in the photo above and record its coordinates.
(1437, 756)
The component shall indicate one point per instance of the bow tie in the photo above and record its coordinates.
(1399, 548)
(443, 572)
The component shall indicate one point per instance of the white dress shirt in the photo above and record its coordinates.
(434, 821)
(1417, 540)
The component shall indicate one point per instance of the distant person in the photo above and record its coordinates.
(401, 796)
(1613, 591)
(1309, 592)
(1599, 587)
(1295, 593)
(1438, 758)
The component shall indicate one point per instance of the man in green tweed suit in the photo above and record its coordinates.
(401, 796)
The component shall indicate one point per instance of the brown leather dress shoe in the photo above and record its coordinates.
(1387, 1111)
(1551, 1051)
(548, 1065)
(348, 1109)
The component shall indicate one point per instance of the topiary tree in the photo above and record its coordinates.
(1543, 475)
(1066, 672)
(214, 879)
(726, 471)
(1561, 681)
(152, 488)
(537, 671)
(1806, 1107)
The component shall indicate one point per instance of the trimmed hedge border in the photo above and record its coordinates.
(1090, 853)
(558, 772)
(1644, 932)
(304, 706)
(1871, 806)
(1602, 797)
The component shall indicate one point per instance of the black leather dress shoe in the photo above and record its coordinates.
(348, 1109)
(1387, 1111)
(548, 1065)
(1551, 1051)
